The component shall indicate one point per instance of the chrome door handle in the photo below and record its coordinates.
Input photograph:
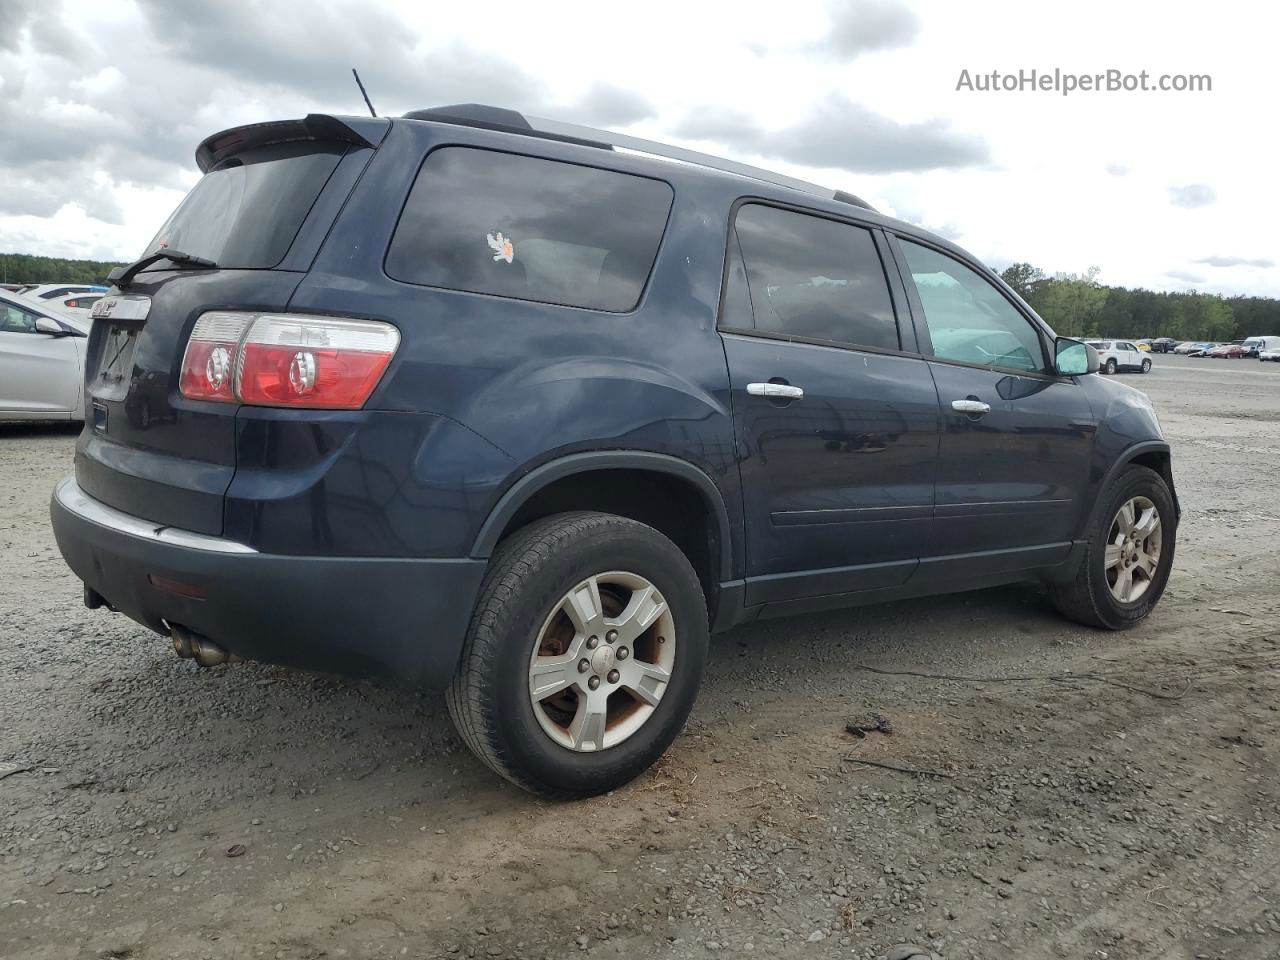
(783, 390)
(970, 406)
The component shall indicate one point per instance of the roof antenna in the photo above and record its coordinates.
(372, 112)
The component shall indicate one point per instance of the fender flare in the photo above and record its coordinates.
(1127, 457)
(538, 478)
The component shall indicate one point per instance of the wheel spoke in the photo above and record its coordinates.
(1125, 518)
(1112, 556)
(1147, 524)
(583, 607)
(642, 611)
(1124, 584)
(550, 675)
(587, 729)
(1147, 564)
(646, 680)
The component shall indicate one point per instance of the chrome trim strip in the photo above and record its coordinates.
(75, 500)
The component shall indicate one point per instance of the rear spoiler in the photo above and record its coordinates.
(362, 131)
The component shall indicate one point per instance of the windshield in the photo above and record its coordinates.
(246, 213)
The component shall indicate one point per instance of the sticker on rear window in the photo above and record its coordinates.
(501, 246)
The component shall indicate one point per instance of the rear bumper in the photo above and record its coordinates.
(400, 618)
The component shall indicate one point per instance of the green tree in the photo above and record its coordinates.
(1023, 277)
(29, 268)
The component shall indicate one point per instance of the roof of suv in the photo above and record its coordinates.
(368, 131)
(509, 121)
(502, 120)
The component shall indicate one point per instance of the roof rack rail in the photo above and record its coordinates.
(510, 121)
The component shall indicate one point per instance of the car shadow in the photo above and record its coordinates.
(40, 428)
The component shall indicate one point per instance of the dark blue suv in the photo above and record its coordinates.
(524, 411)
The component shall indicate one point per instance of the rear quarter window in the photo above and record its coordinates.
(529, 228)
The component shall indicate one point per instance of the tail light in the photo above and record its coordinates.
(286, 360)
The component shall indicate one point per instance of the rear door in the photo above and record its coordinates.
(39, 372)
(1013, 466)
(260, 214)
(836, 425)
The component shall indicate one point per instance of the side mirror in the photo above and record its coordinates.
(52, 327)
(1071, 358)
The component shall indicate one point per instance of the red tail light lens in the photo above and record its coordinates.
(283, 360)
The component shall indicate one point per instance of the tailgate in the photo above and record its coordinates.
(145, 449)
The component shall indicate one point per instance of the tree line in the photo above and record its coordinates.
(28, 268)
(1077, 305)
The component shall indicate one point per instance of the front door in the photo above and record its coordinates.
(1013, 465)
(39, 373)
(836, 429)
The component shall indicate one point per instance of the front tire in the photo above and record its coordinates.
(584, 656)
(1127, 557)
(1146, 366)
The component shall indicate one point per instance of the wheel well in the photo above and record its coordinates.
(672, 506)
(1162, 463)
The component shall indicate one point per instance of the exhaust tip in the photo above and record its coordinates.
(202, 650)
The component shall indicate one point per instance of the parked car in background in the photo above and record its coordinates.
(1143, 345)
(1199, 349)
(41, 362)
(1226, 351)
(48, 291)
(609, 403)
(1269, 354)
(1164, 345)
(1254, 345)
(76, 304)
(1116, 355)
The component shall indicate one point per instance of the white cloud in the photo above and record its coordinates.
(1193, 195)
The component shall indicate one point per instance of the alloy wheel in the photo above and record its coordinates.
(1132, 554)
(602, 661)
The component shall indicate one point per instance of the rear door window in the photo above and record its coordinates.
(530, 228)
(245, 213)
(814, 278)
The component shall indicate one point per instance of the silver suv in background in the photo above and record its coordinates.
(1115, 355)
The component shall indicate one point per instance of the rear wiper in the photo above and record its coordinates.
(123, 276)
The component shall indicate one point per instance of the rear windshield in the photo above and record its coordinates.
(1100, 344)
(529, 228)
(246, 213)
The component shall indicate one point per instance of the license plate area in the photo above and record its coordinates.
(115, 364)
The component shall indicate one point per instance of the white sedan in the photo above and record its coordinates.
(41, 362)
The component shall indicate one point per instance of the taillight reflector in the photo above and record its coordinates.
(286, 360)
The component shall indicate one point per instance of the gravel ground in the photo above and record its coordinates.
(151, 809)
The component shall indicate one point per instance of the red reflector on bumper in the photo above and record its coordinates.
(189, 590)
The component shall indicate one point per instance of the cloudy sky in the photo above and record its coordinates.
(103, 102)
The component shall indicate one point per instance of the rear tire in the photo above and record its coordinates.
(1090, 596)
(530, 614)
(1111, 366)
